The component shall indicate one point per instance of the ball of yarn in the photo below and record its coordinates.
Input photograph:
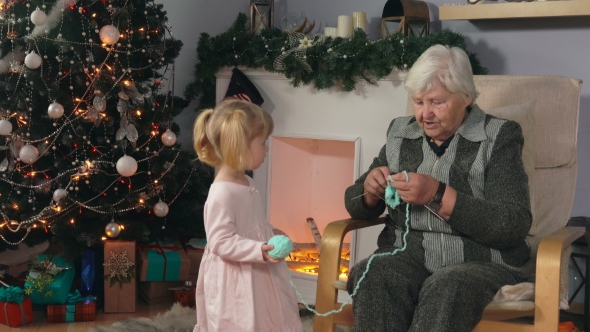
(282, 246)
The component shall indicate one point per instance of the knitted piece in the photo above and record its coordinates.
(391, 196)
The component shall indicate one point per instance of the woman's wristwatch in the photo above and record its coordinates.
(436, 201)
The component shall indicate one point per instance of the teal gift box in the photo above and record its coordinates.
(163, 261)
(62, 282)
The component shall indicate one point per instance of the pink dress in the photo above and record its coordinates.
(236, 289)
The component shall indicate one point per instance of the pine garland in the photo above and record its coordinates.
(325, 63)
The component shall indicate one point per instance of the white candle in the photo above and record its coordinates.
(359, 21)
(345, 26)
(330, 32)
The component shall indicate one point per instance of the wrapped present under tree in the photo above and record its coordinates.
(163, 261)
(185, 295)
(15, 309)
(49, 279)
(76, 309)
(119, 275)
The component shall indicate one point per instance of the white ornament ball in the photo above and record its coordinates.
(168, 137)
(109, 34)
(126, 166)
(33, 60)
(58, 194)
(55, 110)
(5, 127)
(28, 154)
(161, 209)
(38, 17)
(112, 229)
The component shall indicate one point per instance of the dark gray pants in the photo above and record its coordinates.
(398, 294)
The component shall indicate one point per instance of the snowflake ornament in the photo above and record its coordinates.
(119, 265)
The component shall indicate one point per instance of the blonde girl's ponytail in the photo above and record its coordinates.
(203, 146)
(235, 138)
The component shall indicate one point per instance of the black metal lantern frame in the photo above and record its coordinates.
(261, 15)
(412, 16)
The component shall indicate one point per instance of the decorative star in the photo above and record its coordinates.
(305, 43)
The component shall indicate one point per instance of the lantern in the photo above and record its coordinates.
(410, 17)
(261, 15)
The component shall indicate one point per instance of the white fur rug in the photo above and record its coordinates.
(181, 319)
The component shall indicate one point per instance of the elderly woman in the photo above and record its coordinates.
(469, 208)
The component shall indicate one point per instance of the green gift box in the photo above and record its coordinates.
(163, 262)
(62, 282)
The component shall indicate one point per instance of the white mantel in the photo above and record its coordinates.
(364, 114)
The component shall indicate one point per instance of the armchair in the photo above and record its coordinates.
(551, 134)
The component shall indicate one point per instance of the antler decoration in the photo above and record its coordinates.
(301, 28)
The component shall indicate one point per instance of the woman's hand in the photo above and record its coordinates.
(419, 190)
(374, 186)
(265, 249)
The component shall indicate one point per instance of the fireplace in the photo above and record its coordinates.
(323, 138)
(307, 180)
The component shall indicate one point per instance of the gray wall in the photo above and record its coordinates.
(547, 46)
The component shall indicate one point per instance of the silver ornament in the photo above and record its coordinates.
(38, 17)
(33, 60)
(109, 34)
(168, 137)
(5, 127)
(58, 194)
(161, 209)
(112, 229)
(55, 110)
(126, 166)
(28, 154)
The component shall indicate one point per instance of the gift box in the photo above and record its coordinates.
(185, 295)
(195, 255)
(62, 282)
(154, 292)
(76, 309)
(162, 261)
(16, 314)
(119, 257)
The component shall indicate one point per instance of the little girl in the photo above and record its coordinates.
(240, 287)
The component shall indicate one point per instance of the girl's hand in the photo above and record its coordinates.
(266, 256)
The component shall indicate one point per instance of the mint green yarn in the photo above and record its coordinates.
(391, 196)
(392, 199)
(282, 246)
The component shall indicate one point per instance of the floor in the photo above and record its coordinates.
(144, 310)
(40, 322)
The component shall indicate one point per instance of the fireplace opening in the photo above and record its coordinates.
(307, 180)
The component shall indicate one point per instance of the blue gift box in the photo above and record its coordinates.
(62, 282)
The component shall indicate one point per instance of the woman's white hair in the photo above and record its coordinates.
(444, 65)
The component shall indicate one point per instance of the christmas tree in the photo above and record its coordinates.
(87, 137)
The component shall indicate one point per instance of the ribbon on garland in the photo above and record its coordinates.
(297, 44)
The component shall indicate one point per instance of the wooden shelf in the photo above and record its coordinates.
(488, 11)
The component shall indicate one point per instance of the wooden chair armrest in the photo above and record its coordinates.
(330, 249)
(548, 271)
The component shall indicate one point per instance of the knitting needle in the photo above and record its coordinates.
(383, 199)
